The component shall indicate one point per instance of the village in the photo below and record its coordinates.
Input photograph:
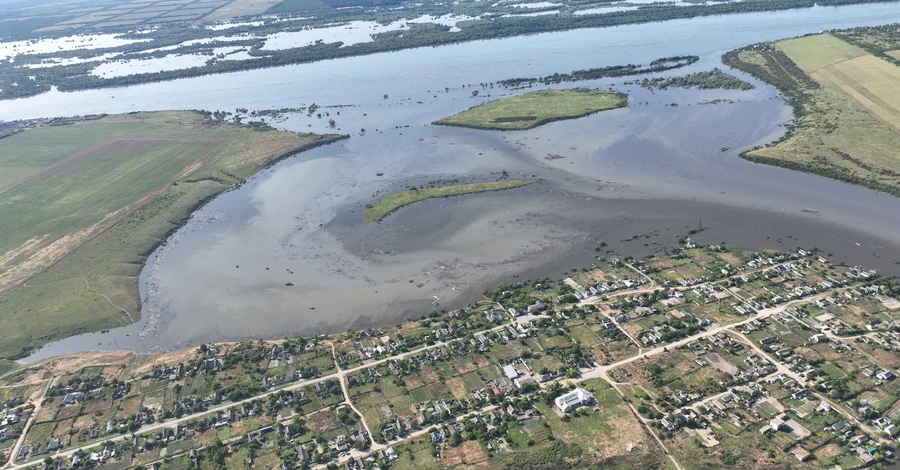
(699, 356)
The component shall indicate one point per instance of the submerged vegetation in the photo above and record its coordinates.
(658, 65)
(714, 79)
(17, 81)
(536, 108)
(378, 211)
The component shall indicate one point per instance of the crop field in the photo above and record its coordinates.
(381, 209)
(90, 200)
(536, 108)
(847, 105)
(871, 82)
(811, 53)
(133, 13)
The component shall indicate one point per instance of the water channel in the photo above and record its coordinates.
(657, 167)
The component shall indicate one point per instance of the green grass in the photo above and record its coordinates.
(814, 52)
(536, 108)
(766, 410)
(833, 371)
(378, 211)
(84, 227)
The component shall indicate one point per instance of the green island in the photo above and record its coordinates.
(84, 202)
(692, 357)
(536, 108)
(707, 80)
(378, 211)
(844, 87)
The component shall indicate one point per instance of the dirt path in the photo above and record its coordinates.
(37, 407)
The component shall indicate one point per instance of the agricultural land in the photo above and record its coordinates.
(693, 357)
(844, 87)
(379, 210)
(84, 201)
(536, 108)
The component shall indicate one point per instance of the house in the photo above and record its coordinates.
(523, 381)
(885, 375)
(510, 372)
(536, 307)
(574, 399)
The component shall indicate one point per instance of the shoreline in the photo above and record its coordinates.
(512, 27)
(185, 210)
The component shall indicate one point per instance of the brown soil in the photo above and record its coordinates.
(457, 387)
(428, 374)
(469, 453)
(830, 450)
(322, 421)
(412, 382)
(464, 367)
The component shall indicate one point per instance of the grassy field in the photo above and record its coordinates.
(846, 104)
(536, 108)
(811, 53)
(870, 82)
(92, 199)
(378, 211)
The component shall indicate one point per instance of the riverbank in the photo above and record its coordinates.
(81, 76)
(844, 97)
(139, 177)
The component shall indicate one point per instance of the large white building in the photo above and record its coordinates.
(574, 399)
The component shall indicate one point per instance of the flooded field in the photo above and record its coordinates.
(290, 253)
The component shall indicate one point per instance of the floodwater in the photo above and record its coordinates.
(288, 252)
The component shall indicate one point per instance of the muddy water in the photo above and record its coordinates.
(289, 253)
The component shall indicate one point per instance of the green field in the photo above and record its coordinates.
(536, 108)
(378, 211)
(846, 106)
(90, 200)
(811, 53)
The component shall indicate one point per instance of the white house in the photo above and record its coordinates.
(574, 399)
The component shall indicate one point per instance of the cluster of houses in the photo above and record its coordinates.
(532, 309)
(372, 461)
(437, 411)
(12, 421)
(604, 288)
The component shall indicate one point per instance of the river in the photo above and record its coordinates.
(288, 252)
